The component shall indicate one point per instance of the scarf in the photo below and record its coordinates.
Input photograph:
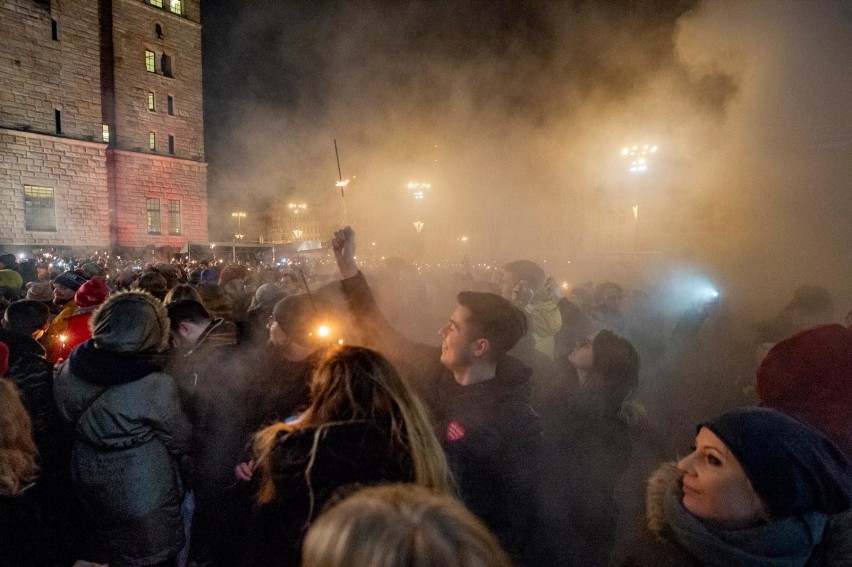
(106, 368)
(787, 542)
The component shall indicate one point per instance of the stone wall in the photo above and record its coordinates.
(140, 177)
(134, 24)
(78, 175)
(40, 75)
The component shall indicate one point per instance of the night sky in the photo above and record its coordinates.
(515, 112)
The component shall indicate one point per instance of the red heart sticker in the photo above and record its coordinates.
(455, 431)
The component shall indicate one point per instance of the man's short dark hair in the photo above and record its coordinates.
(495, 319)
(26, 316)
(187, 311)
(528, 271)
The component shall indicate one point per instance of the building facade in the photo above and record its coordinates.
(101, 124)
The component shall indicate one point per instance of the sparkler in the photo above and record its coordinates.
(341, 183)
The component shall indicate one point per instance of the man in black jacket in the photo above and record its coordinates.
(477, 397)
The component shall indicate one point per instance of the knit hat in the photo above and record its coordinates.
(297, 316)
(90, 269)
(8, 260)
(130, 321)
(793, 468)
(40, 291)
(209, 276)
(809, 376)
(93, 292)
(11, 279)
(268, 293)
(71, 280)
(4, 359)
(231, 273)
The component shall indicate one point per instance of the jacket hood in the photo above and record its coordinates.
(658, 484)
(131, 321)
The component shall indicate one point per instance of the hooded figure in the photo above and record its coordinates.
(129, 432)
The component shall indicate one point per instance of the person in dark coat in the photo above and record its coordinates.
(363, 427)
(212, 378)
(130, 433)
(477, 396)
(26, 535)
(760, 489)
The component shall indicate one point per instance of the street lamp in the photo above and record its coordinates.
(638, 155)
(418, 189)
(297, 233)
(418, 226)
(239, 215)
(296, 207)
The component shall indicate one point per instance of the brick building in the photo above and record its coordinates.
(101, 124)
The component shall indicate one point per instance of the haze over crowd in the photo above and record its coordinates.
(516, 112)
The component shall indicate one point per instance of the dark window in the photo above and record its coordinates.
(39, 208)
(158, 29)
(171, 144)
(153, 207)
(54, 30)
(166, 65)
(174, 217)
(57, 117)
(171, 105)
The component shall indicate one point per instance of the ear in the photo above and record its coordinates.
(480, 347)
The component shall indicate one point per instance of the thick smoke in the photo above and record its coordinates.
(515, 113)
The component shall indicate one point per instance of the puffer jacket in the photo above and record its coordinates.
(124, 464)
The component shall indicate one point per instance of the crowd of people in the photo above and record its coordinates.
(245, 415)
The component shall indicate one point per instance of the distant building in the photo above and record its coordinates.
(101, 124)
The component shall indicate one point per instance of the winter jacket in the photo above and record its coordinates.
(545, 321)
(312, 468)
(33, 376)
(655, 545)
(488, 430)
(128, 438)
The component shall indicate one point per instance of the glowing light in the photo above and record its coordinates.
(340, 341)
(564, 285)
(22, 256)
(342, 183)
(418, 226)
(63, 338)
(635, 212)
(323, 331)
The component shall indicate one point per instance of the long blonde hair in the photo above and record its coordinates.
(400, 524)
(356, 383)
(17, 450)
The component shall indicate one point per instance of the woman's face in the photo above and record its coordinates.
(583, 356)
(715, 486)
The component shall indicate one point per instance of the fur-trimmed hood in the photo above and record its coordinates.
(131, 321)
(658, 484)
(834, 551)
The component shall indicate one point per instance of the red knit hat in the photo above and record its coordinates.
(93, 292)
(4, 359)
(232, 272)
(809, 376)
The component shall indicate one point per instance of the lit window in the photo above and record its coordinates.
(174, 217)
(106, 133)
(39, 208)
(171, 145)
(175, 7)
(157, 3)
(150, 61)
(171, 105)
(153, 208)
(151, 102)
(152, 141)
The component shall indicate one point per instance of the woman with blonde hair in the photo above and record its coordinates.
(401, 524)
(363, 427)
(23, 537)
